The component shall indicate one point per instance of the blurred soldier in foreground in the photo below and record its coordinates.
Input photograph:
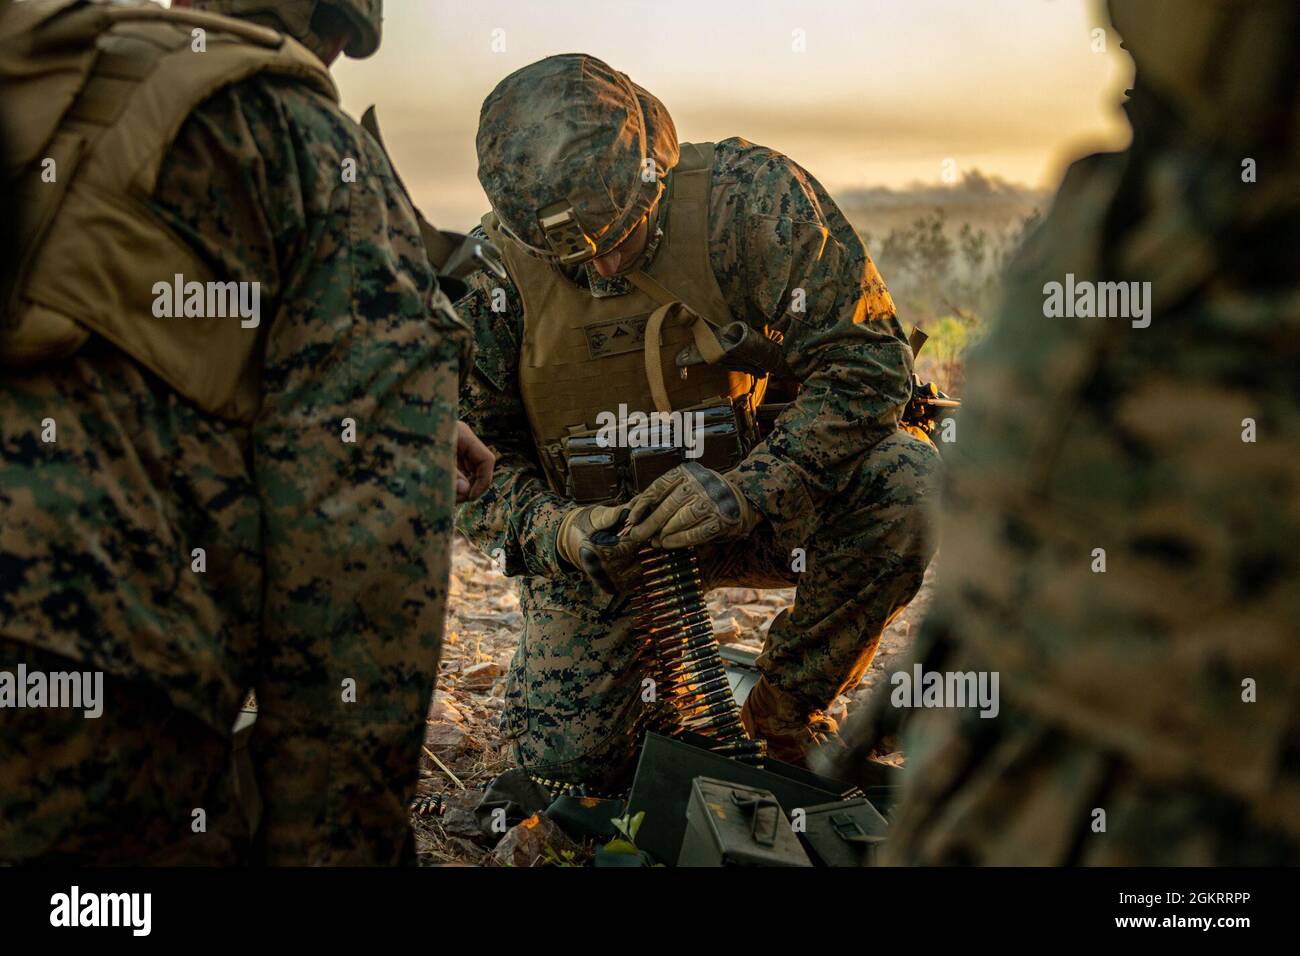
(1150, 711)
(621, 248)
(196, 502)
(8, 201)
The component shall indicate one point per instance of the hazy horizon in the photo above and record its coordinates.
(865, 94)
(885, 91)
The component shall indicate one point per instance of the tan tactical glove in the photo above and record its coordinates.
(588, 540)
(687, 507)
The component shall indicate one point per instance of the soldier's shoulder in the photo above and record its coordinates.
(277, 103)
(773, 182)
(738, 157)
(277, 141)
(277, 126)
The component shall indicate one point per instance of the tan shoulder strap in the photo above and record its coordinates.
(695, 158)
(181, 79)
(706, 340)
(651, 287)
(244, 29)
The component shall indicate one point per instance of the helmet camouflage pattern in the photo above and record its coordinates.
(295, 16)
(572, 155)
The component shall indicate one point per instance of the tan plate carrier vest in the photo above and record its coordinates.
(583, 355)
(103, 90)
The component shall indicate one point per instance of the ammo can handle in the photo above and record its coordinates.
(763, 824)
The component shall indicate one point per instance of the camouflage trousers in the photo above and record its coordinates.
(125, 787)
(574, 695)
(142, 784)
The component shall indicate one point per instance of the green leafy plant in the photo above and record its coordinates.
(628, 825)
(562, 858)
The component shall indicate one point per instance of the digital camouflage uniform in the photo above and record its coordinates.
(326, 561)
(1123, 691)
(836, 477)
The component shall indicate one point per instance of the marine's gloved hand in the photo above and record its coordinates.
(588, 540)
(687, 507)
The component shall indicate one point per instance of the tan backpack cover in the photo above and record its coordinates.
(102, 91)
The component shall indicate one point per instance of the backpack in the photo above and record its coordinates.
(95, 95)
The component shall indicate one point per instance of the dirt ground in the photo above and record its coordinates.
(463, 749)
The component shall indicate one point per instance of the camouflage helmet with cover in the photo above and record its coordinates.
(572, 155)
(294, 17)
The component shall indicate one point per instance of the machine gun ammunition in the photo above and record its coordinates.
(672, 619)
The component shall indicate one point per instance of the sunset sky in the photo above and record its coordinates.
(884, 91)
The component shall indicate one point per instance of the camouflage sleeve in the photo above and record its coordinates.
(788, 260)
(518, 518)
(352, 451)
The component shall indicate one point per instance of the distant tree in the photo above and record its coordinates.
(898, 251)
(974, 249)
(934, 250)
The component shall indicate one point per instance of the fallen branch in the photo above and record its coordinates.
(443, 767)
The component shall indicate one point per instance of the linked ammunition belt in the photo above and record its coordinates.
(673, 622)
(567, 788)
